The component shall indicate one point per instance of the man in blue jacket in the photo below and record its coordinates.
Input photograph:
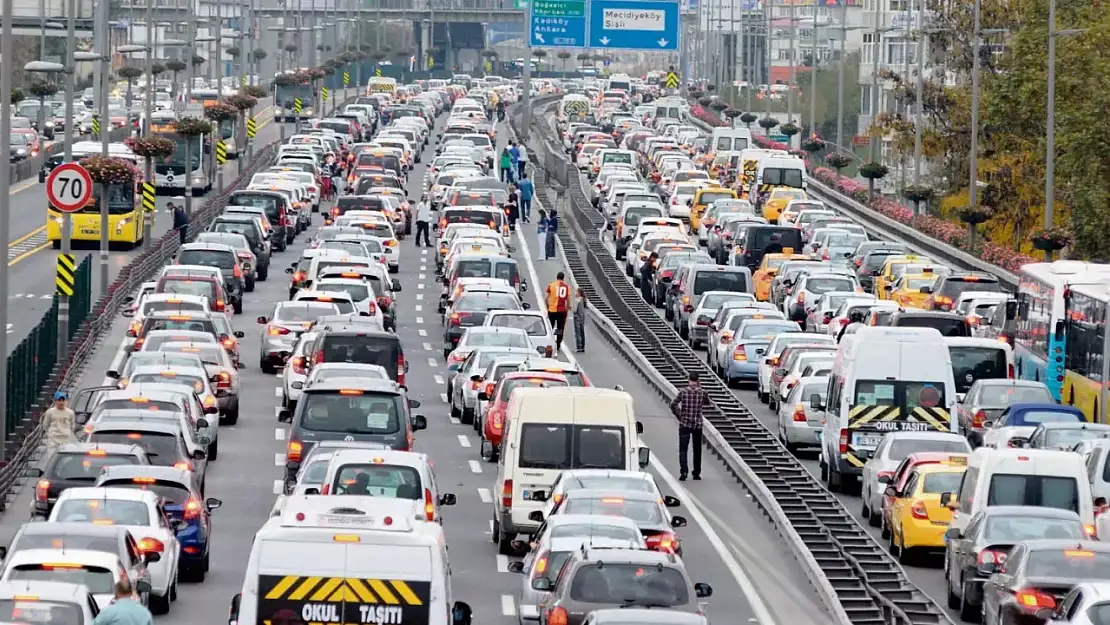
(514, 156)
(527, 191)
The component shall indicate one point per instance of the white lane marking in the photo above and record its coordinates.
(279, 460)
(277, 391)
(10, 330)
(279, 487)
(438, 378)
(420, 286)
(277, 411)
(422, 332)
(485, 495)
(537, 291)
(507, 607)
(464, 441)
(279, 434)
(432, 362)
(419, 320)
(475, 466)
(502, 563)
(427, 347)
(47, 297)
(443, 396)
(424, 252)
(419, 296)
(419, 308)
(453, 420)
(423, 275)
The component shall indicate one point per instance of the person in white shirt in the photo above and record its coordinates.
(423, 220)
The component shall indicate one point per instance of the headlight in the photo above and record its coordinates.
(21, 151)
(121, 224)
(197, 179)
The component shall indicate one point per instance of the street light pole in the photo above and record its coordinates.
(813, 78)
(840, 75)
(6, 52)
(976, 38)
(1050, 136)
(148, 111)
(105, 131)
(876, 50)
(919, 105)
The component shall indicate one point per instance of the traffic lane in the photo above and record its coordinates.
(926, 573)
(715, 507)
(32, 272)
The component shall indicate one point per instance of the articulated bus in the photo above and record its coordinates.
(228, 128)
(125, 213)
(169, 175)
(1087, 308)
(1041, 319)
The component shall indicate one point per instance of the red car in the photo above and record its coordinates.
(497, 394)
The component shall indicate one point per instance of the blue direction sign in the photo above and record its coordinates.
(557, 23)
(634, 25)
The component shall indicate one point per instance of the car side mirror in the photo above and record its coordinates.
(151, 557)
(703, 590)
(953, 533)
(396, 285)
(643, 457)
(142, 586)
(285, 416)
(1011, 310)
(82, 418)
(419, 422)
(888, 287)
(946, 499)
(212, 503)
(526, 306)
(127, 312)
(516, 567)
(32, 472)
(925, 290)
(678, 521)
(461, 614)
(884, 479)
(178, 525)
(289, 270)
(987, 569)
(238, 334)
(312, 490)
(536, 516)
(890, 491)
(542, 584)
(671, 501)
(212, 410)
(263, 320)
(414, 403)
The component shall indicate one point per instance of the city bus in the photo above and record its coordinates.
(169, 174)
(1040, 328)
(228, 128)
(125, 213)
(1087, 306)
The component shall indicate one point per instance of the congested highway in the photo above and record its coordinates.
(32, 269)
(726, 543)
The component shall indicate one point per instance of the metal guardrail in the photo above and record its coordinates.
(854, 576)
(888, 229)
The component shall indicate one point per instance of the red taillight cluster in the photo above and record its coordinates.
(42, 490)
(192, 508)
(223, 380)
(978, 420)
(400, 369)
(665, 542)
(507, 494)
(297, 362)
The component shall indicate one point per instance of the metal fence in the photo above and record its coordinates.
(29, 168)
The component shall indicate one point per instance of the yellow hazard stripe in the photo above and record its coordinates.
(280, 589)
(383, 591)
(406, 593)
(305, 588)
(364, 593)
(853, 460)
(936, 417)
(325, 590)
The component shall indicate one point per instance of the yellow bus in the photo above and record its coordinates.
(125, 213)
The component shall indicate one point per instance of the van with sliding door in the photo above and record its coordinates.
(551, 430)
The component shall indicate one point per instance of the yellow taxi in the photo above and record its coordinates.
(906, 290)
(917, 520)
(890, 272)
(768, 269)
(777, 201)
(705, 196)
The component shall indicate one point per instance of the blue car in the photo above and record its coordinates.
(752, 338)
(183, 502)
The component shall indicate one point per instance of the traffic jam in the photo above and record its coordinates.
(354, 531)
(911, 387)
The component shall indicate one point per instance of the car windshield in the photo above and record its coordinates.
(1015, 529)
(532, 324)
(207, 258)
(85, 466)
(33, 611)
(351, 411)
(99, 580)
(629, 585)
(115, 511)
(378, 480)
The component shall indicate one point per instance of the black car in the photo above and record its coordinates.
(948, 288)
(1037, 575)
(351, 340)
(249, 228)
(349, 409)
(948, 324)
(77, 464)
(222, 257)
(278, 211)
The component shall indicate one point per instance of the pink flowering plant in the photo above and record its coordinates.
(109, 170)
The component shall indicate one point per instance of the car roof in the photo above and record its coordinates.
(135, 425)
(115, 449)
(73, 529)
(158, 472)
(623, 493)
(373, 385)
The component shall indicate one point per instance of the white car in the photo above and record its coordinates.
(295, 373)
(533, 322)
(142, 514)
(770, 360)
(99, 570)
(890, 453)
(360, 292)
(329, 370)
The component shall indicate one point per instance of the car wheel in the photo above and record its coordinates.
(954, 600)
(249, 287)
(263, 273)
(231, 417)
(968, 612)
(160, 605)
(504, 541)
(266, 368)
(455, 412)
(213, 450)
(237, 305)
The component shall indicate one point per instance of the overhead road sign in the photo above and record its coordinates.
(557, 23)
(69, 187)
(634, 25)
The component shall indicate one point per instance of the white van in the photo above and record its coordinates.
(978, 359)
(730, 140)
(749, 165)
(550, 430)
(1022, 477)
(883, 380)
(348, 560)
(781, 171)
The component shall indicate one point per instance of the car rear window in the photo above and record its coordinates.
(117, 511)
(531, 324)
(351, 412)
(1062, 563)
(954, 286)
(367, 350)
(1008, 489)
(508, 386)
(186, 286)
(207, 258)
(736, 281)
(629, 585)
(378, 480)
(482, 302)
(85, 466)
(98, 579)
(161, 448)
(946, 326)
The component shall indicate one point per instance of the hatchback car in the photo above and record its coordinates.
(226, 259)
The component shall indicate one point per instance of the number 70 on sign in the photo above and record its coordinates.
(69, 187)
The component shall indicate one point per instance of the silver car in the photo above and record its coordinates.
(987, 398)
(465, 383)
(892, 450)
(314, 468)
(558, 539)
(284, 326)
(698, 321)
(295, 373)
(799, 423)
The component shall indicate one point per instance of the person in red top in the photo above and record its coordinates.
(558, 304)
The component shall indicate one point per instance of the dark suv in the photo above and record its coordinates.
(77, 464)
(948, 288)
(278, 212)
(596, 578)
(256, 238)
(222, 257)
(948, 324)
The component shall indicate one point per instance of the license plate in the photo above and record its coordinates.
(867, 441)
(335, 520)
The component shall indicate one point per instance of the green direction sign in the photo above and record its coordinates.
(559, 8)
(521, 5)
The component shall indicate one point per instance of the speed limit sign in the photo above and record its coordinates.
(69, 187)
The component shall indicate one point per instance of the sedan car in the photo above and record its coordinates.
(648, 510)
(533, 322)
(284, 326)
(799, 424)
(987, 398)
(1037, 575)
(465, 382)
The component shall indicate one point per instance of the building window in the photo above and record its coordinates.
(865, 99)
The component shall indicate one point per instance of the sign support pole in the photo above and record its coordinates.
(526, 85)
(67, 147)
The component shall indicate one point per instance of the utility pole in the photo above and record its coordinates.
(813, 78)
(1050, 137)
(876, 50)
(105, 131)
(973, 157)
(70, 62)
(5, 208)
(148, 110)
(840, 76)
(918, 113)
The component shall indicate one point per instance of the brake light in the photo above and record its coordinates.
(138, 344)
(297, 362)
(1090, 531)
(429, 506)
(192, 508)
(277, 331)
(220, 305)
(401, 369)
(456, 318)
(918, 511)
(183, 466)
(1010, 373)
(293, 451)
(151, 545)
(541, 565)
(844, 441)
(1031, 600)
(298, 277)
(507, 494)
(557, 616)
(42, 490)
(133, 329)
(799, 413)
(244, 255)
(978, 420)
(223, 380)
(740, 354)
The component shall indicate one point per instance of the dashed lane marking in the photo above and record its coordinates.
(443, 396)
(486, 495)
(419, 286)
(427, 347)
(464, 441)
(453, 420)
(279, 434)
(419, 308)
(475, 466)
(422, 276)
(432, 362)
(279, 460)
(502, 563)
(278, 391)
(419, 296)
(419, 320)
(507, 607)
(422, 332)
(279, 487)
(438, 378)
